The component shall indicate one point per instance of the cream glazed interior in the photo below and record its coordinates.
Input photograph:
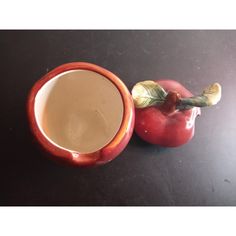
(79, 110)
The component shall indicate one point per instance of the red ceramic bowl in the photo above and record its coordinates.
(41, 117)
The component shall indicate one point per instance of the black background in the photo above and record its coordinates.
(202, 172)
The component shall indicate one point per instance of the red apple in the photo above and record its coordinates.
(170, 123)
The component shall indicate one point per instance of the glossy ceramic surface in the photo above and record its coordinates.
(168, 129)
(101, 156)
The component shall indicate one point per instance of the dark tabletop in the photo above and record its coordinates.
(202, 172)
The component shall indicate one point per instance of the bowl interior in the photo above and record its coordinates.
(79, 110)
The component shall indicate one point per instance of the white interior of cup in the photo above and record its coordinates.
(79, 110)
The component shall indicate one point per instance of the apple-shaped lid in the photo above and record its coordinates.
(166, 111)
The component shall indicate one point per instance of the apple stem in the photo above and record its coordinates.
(210, 96)
(188, 103)
(170, 103)
(149, 93)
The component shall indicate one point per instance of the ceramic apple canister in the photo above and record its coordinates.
(166, 111)
(81, 114)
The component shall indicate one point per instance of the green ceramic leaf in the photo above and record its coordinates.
(148, 93)
(213, 94)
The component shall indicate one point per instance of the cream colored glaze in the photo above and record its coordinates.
(79, 110)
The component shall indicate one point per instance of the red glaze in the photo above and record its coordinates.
(107, 153)
(169, 129)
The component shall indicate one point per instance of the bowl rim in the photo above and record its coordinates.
(74, 157)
